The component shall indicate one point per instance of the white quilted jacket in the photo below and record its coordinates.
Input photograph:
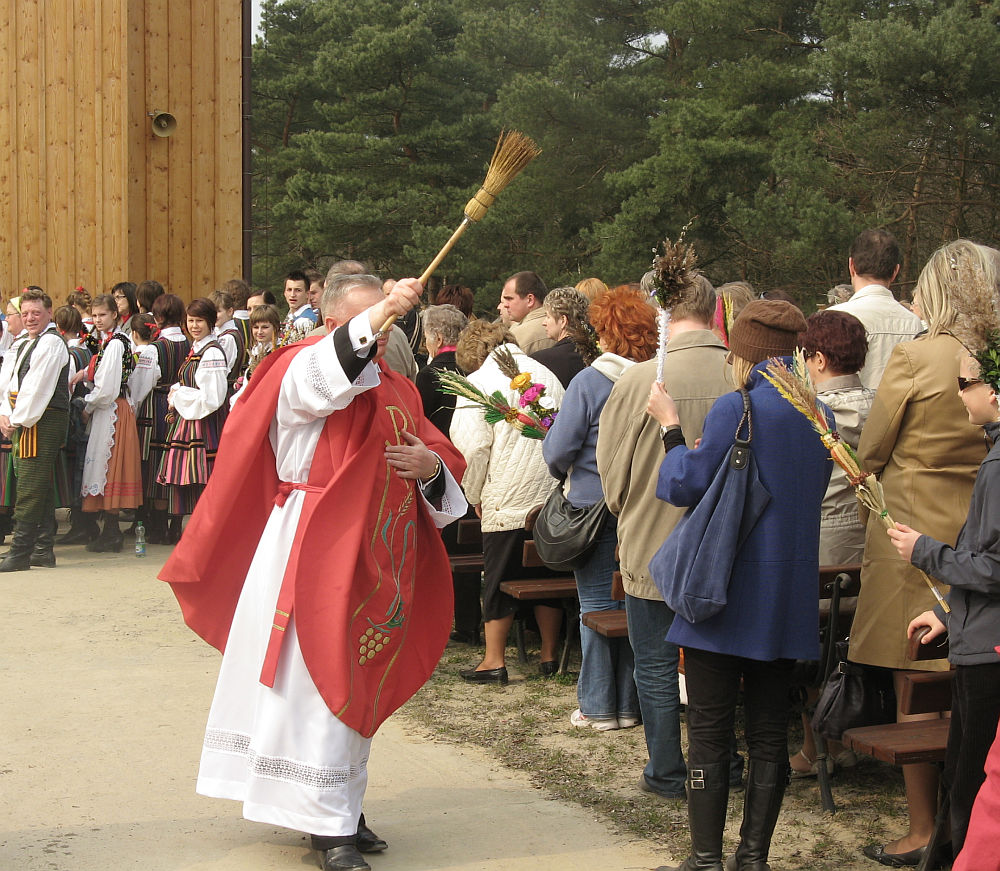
(506, 473)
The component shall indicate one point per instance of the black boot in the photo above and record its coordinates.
(111, 539)
(156, 525)
(339, 853)
(766, 782)
(708, 797)
(18, 558)
(173, 533)
(83, 528)
(43, 555)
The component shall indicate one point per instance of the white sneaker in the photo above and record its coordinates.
(627, 722)
(604, 724)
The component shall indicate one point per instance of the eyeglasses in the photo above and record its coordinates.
(967, 382)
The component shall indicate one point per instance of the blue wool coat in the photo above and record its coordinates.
(772, 607)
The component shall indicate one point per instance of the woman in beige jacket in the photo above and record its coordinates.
(919, 441)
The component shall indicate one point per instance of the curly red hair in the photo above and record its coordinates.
(625, 322)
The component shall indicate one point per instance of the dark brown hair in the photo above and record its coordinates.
(840, 337)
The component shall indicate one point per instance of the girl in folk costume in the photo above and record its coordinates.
(195, 422)
(13, 335)
(112, 478)
(265, 322)
(69, 322)
(230, 337)
(143, 330)
(172, 347)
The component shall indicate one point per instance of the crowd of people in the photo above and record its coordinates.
(120, 403)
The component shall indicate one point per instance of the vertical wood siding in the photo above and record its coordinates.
(88, 195)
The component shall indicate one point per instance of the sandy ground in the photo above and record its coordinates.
(106, 694)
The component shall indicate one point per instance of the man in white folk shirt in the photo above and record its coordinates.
(34, 415)
(314, 551)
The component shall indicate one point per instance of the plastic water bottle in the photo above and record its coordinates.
(140, 540)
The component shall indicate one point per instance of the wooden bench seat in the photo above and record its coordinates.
(464, 563)
(901, 743)
(610, 624)
(530, 589)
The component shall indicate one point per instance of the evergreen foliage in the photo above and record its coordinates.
(785, 127)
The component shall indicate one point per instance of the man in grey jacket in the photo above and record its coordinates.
(629, 453)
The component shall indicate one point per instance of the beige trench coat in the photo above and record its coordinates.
(919, 441)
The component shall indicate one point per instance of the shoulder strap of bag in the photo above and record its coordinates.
(741, 447)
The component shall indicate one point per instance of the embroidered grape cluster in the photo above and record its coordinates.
(371, 643)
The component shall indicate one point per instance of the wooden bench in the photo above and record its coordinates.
(464, 544)
(561, 587)
(921, 692)
(611, 624)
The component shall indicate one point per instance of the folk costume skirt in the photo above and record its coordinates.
(122, 485)
(188, 460)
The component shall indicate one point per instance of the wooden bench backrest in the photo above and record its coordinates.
(936, 649)
(469, 531)
(925, 692)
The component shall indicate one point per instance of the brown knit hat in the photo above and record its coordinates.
(766, 328)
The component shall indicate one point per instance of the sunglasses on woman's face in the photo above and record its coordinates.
(967, 382)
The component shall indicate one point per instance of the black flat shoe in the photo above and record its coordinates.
(343, 858)
(911, 858)
(488, 675)
(548, 668)
(367, 840)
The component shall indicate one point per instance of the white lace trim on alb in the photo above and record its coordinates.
(280, 768)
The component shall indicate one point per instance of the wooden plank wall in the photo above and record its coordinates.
(88, 195)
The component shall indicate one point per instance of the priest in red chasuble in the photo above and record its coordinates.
(313, 561)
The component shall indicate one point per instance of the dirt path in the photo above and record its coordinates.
(106, 694)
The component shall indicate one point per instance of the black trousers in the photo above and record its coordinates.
(975, 711)
(713, 683)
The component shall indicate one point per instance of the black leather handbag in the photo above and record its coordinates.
(565, 536)
(854, 695)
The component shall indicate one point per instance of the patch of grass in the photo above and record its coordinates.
(525, 725)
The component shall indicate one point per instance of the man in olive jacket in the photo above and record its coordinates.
(629, 453)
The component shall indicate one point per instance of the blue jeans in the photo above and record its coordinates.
(659, 697)
(606, 687)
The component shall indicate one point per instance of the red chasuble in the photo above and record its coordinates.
(367, 581)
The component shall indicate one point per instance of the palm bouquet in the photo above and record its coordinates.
(794, 384)
(532, 415)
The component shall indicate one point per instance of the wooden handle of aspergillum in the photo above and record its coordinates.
(435, 263)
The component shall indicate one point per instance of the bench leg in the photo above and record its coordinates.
(522, 653)
(572, 609)
(823, 775)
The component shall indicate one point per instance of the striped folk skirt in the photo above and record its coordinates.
(187, 463)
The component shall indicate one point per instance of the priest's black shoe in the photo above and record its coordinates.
(488, 675)
(367, 840)
(344, 858)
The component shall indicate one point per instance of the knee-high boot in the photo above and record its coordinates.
(18, 558)
(708, 797)
(43, 554)
(766, 782)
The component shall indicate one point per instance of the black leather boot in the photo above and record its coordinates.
(708, 797)
(766, 782)
(111, 539)
(43, 555)
(83, 528)
(18, 558)
(156, 525)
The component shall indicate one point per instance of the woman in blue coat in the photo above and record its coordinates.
(771, 615)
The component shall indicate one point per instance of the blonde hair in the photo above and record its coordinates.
(946, 271)
(591, 288)
(741, 370)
